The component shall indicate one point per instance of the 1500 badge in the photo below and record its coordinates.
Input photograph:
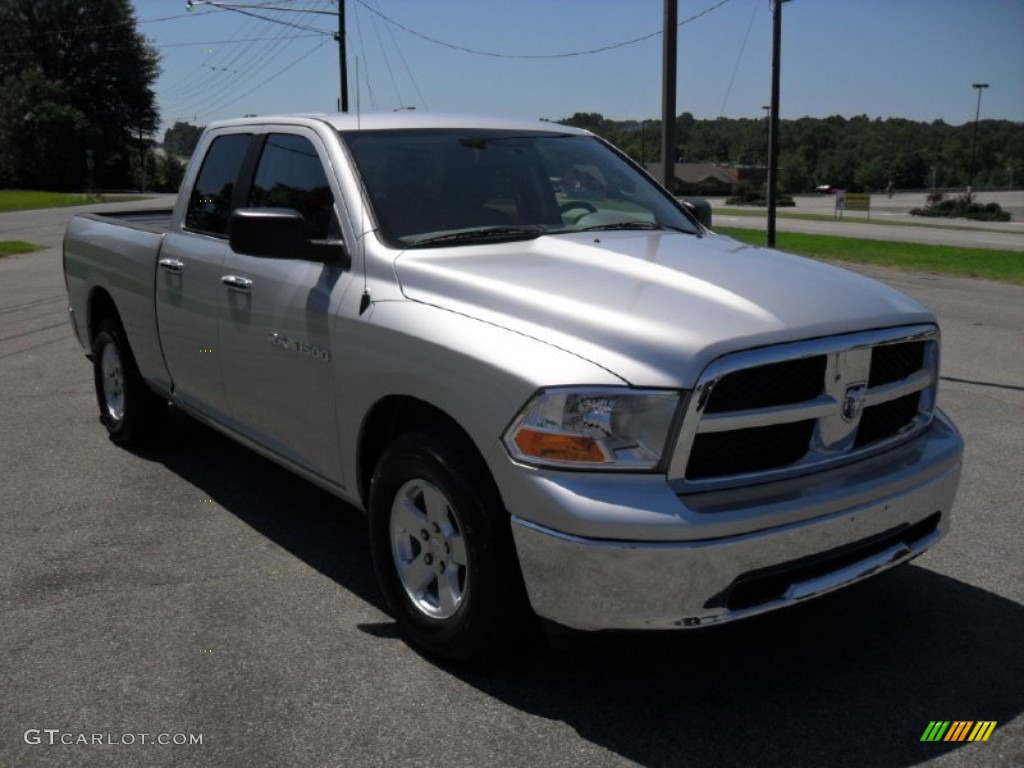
(309, 350)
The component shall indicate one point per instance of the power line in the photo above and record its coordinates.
(366, 68)
(245, 72)
(242, 40)
(162, 46)
(494, 54)
(56, 31)
(387, 63)
(405, 64)
(191, 84)
(743, 48)
(259, 85)
(188, 85)
(244, 12)
(215, 85)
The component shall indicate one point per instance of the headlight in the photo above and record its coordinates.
(591, 427)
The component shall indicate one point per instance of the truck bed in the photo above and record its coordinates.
(115, 255)
(156, 221)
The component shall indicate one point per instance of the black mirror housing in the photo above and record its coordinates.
(279, 233)
(700, 208)
(276, 232)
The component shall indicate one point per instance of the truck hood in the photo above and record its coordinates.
(654, 308)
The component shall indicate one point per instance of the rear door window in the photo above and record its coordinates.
(210, 204)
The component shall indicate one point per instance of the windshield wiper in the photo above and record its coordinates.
(485, 235)
(645, 225)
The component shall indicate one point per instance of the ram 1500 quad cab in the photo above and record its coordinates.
(550, 387)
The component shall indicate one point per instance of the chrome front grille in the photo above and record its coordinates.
(780, 411)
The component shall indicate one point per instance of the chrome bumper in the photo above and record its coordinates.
(594, 584)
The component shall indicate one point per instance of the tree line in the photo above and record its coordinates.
(77, 111)
(77, 107)
(857, 153)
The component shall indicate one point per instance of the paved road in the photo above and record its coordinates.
(891, 220)
(200, 590)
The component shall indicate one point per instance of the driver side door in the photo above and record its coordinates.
(278, 317)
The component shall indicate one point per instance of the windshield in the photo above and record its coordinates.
(441, 187)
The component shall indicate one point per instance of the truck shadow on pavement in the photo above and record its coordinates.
(852, 679)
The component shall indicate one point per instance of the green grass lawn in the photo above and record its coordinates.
(1005, 266)
(28, 199)
(11, 247)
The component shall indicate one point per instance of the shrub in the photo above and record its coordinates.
(960, 207)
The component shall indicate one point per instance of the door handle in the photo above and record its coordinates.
(236, 283)
(171, 265)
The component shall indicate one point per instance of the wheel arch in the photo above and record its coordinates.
(100, 306)
(392, 416)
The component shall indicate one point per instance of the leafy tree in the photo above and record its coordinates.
(181, 138)
(80, 76)
(169, 173)
(39, 132)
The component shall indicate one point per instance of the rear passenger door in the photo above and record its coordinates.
(188, 285)
(277, 315)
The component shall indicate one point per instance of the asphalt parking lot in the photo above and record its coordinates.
(198, 590)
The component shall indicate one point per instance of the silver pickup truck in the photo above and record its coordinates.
(552, 389)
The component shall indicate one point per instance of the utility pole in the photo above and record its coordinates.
(668, 96)
(342, 58)
(773, 122)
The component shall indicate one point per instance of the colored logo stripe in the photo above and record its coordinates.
(982, 730)
(958, 730)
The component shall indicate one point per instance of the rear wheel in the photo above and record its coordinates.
(442, 548)
(129, 410)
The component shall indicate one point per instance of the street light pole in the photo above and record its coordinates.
(974, 141)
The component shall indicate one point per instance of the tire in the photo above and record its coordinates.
(442, 549)
(131, 412)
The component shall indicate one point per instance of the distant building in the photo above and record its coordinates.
(711, 178)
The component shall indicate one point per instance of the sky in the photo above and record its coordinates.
(915, 59)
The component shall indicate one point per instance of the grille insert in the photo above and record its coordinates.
(881, 421)
(791, 381)
(778, 411)
(892, 362)
(749, 450)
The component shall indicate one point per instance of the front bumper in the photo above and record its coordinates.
(803, 538)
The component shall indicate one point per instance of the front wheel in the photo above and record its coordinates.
(129, 410)
(442, 548)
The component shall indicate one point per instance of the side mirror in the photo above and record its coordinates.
(279, 233)
(700, 208)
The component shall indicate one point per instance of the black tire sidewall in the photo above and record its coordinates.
(139, 403)
(485, 530)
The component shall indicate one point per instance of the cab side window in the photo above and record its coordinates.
(210, 203)
(290, 174)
